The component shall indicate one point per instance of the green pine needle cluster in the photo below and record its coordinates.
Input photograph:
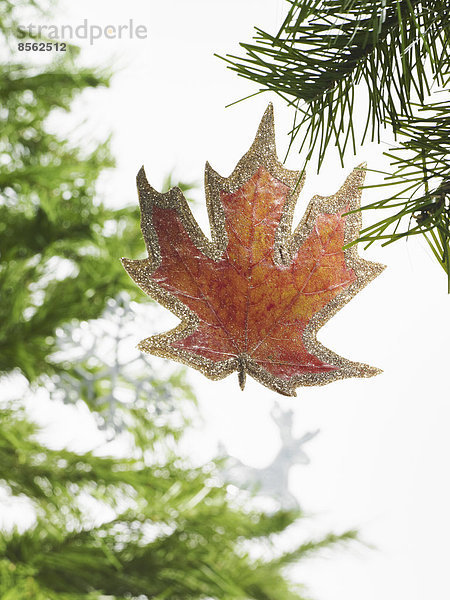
(421, 167)
(48, 219)
(332, 59)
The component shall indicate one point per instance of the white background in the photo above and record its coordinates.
(381, 461)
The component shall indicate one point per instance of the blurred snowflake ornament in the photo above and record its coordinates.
(104, 369)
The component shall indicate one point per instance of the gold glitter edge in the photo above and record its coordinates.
(261, 153)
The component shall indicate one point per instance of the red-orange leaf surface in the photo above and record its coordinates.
(253, 298)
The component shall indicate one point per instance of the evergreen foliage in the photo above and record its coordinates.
(326, 54)
(48, 219)
(175, 532)
(147, 525)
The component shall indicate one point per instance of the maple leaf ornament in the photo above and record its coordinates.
(253, 298)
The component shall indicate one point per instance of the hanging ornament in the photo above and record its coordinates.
(252, 299)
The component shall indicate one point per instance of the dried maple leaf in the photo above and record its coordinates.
(254, 297)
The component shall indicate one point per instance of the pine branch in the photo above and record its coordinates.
(175, 533)
(326, 48)
(421, 173)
